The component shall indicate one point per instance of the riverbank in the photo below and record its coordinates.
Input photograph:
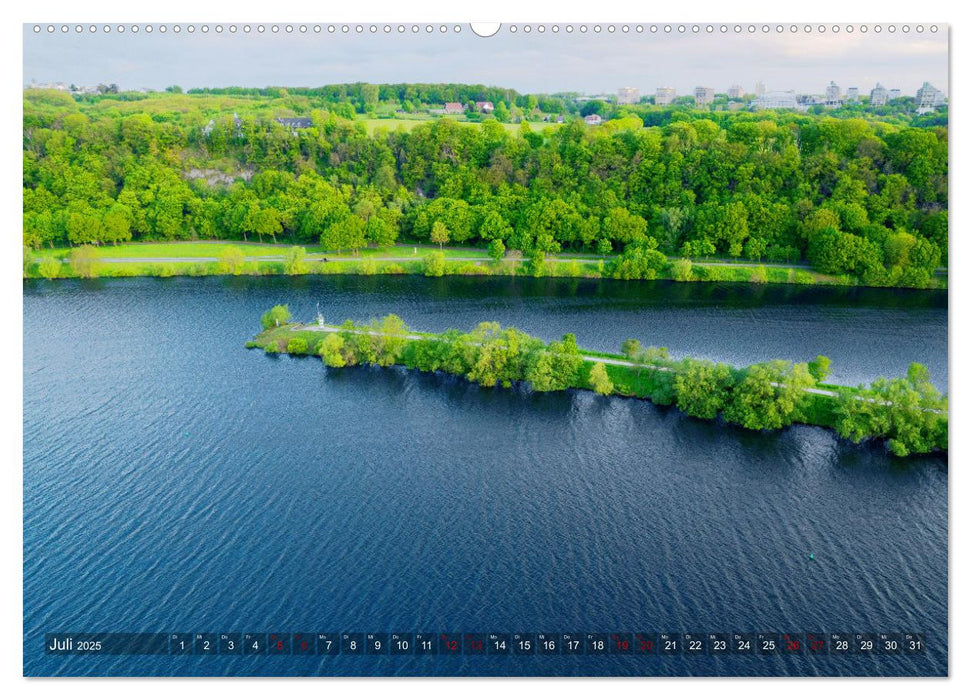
(908, 413)
(198, 258)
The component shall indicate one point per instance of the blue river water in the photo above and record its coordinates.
(176, 482)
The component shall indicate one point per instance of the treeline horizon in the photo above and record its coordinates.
(857, 197)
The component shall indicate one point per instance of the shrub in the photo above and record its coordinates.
(712, 273)
(759, 275)
(392, 269)
(556, 367)
(599, 380)
(820, 368)
(368, 267)
(803, 277)
(84, 261)
(662, 387)
(231, 260)
(769, 395)
(49, 268)
(509, 268)
(910, 412)
(639, 261)
(702, 387)
(121, 271)
(297, 346)
(294, 262)
(537, 263)
(777, 274)
(331, 350)
(681, 270)
(275, 317)
(471, 268)
(433, 264)
(497, 249)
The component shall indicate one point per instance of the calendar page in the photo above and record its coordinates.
(513, 349)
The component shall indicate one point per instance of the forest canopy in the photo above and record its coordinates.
(853, 196)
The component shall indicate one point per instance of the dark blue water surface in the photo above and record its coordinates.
(175, 481)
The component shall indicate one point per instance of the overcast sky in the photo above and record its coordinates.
(589, 63)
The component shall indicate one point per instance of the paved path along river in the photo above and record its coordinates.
(325, 328)
(713, 262)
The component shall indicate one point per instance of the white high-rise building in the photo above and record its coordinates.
(929, 97)
(833, 96)
(776, 100)
(878, 96)
(664, 96)
(704, 96)
(628, 96)
(759, 89)
(894, 93)
(852, 94)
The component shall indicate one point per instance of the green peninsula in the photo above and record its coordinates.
(908, 413)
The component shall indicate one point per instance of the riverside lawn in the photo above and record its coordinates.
(198, 258)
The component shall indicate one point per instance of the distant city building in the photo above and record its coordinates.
(833, 95)
(485, 107)
(628, 96)
(49, 86)
(664, 96)
(735, 92)
(593, 119)
(777, 100)
(894, 93)
(704, 96)
(852, 94)
(929, 98)
(878, 96)
(760, 89)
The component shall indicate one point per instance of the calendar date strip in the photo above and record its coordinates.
(486, 644)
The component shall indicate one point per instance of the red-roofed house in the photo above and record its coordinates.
(486, 107)
(454, 108)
